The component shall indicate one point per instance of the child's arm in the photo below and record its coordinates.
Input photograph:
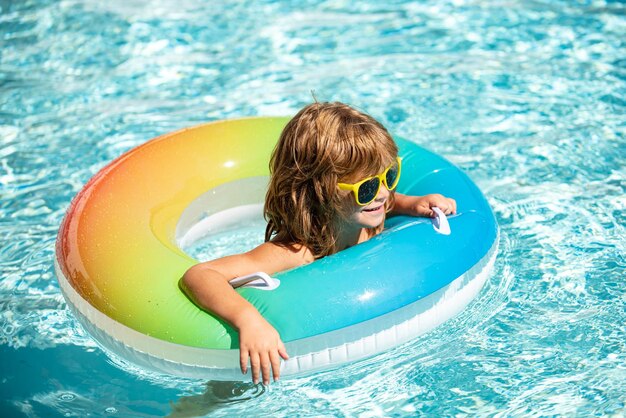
(422, 205)
(207, 285)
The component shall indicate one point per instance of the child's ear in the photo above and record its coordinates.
(391, 201)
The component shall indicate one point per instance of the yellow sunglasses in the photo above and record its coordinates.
(366, 190)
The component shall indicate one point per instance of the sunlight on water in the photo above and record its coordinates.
(527, 97)
(242, 238)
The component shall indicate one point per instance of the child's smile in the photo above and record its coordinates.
(372, 215)
(375, 209)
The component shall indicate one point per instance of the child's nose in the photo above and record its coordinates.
(383, 193)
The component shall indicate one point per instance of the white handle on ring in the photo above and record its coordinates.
(440, 222)
(259, 280)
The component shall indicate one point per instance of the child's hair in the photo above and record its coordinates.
(325, 143)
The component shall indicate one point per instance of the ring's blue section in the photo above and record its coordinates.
(405, 263)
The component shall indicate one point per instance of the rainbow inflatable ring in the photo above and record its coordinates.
(119, 257)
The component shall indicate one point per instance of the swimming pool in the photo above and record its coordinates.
(529, 98)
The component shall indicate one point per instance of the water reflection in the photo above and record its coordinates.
(216, 396)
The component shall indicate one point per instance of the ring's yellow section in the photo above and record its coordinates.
(117, 245)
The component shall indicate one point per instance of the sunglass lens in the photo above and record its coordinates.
(392, 176)
(368, 190)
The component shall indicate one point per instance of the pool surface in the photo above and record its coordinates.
(528, 97)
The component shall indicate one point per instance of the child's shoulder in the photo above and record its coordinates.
(278, 257)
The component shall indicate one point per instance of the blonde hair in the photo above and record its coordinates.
(325, 143)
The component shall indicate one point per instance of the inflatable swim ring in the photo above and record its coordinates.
(119, 257)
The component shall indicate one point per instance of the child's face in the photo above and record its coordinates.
(370, 215)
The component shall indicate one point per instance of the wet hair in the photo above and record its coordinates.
(323, 144)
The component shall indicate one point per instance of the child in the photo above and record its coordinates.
(333, 172)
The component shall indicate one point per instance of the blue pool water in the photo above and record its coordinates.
(528, 97)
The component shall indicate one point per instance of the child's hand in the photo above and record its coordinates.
(425, 204)
(422, 205)
(260, 342)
